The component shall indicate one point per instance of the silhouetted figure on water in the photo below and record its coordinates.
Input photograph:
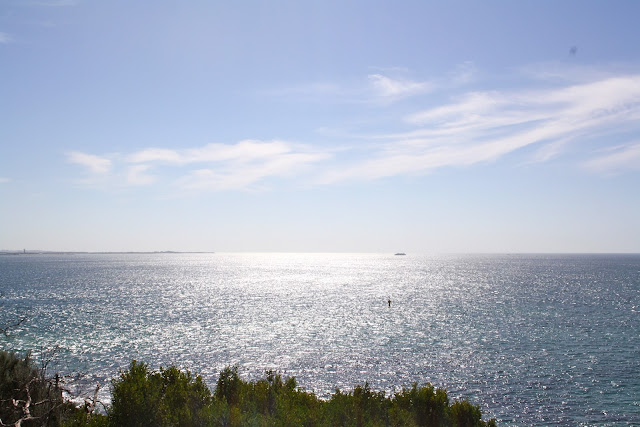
(389, 302)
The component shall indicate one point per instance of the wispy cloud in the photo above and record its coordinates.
(397, 88)
(485, 126)
(56, 3)
(310, 92)
(371, 88)
(541, 120)
(616, 160)
(4, 180)
(248, 175)
(574, 73)
(470, 108)
(464, 73)
(240, 166)
(5, 38)
(136, 175)
(245, 165)
(243, 151)
(95, 164)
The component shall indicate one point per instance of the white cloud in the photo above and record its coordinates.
(243, 151)
(394, 88)
(244, 165)
(161, 155)
(246, 176)
(136, 175)
(95, 164)
(4, 180)
(478, 126)
(469, 108)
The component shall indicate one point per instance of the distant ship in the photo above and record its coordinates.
(400, 253)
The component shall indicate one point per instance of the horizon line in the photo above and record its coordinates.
(71, 252)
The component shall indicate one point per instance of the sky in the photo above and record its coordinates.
(320, 126)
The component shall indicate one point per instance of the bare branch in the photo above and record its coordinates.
(5, 329)
(47, 357)
(25, 405)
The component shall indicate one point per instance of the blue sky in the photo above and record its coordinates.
(357, 126)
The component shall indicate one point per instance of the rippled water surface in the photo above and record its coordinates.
(530, 339)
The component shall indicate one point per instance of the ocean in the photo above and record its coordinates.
(531, 339)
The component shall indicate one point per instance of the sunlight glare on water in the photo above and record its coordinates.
(531, 339)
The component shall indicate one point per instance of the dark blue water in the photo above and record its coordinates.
(531, 339)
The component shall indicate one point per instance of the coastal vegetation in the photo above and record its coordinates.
(27, 396)
(176, 397)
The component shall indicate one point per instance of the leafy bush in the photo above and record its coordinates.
(465, 414)
(359, 407)
(171, 397)
(424, 405)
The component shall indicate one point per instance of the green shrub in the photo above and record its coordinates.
(357, 408)
(170, 397)
(81, 418)
(424, 405)
(228, 386)
(464, 414)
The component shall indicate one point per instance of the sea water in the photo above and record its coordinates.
(531, 339)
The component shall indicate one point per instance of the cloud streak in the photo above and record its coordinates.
(484, 126)
(247, 175)
(136, 175)
(246, 165)
(243, 151)
(375, 88)
(5, 38)
(471, 128)
(95, 164)
(616, 160)
(56, 3)
(395, 88)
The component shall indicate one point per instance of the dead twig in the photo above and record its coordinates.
(5, 330)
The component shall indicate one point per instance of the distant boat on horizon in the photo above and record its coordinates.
(400, 253)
